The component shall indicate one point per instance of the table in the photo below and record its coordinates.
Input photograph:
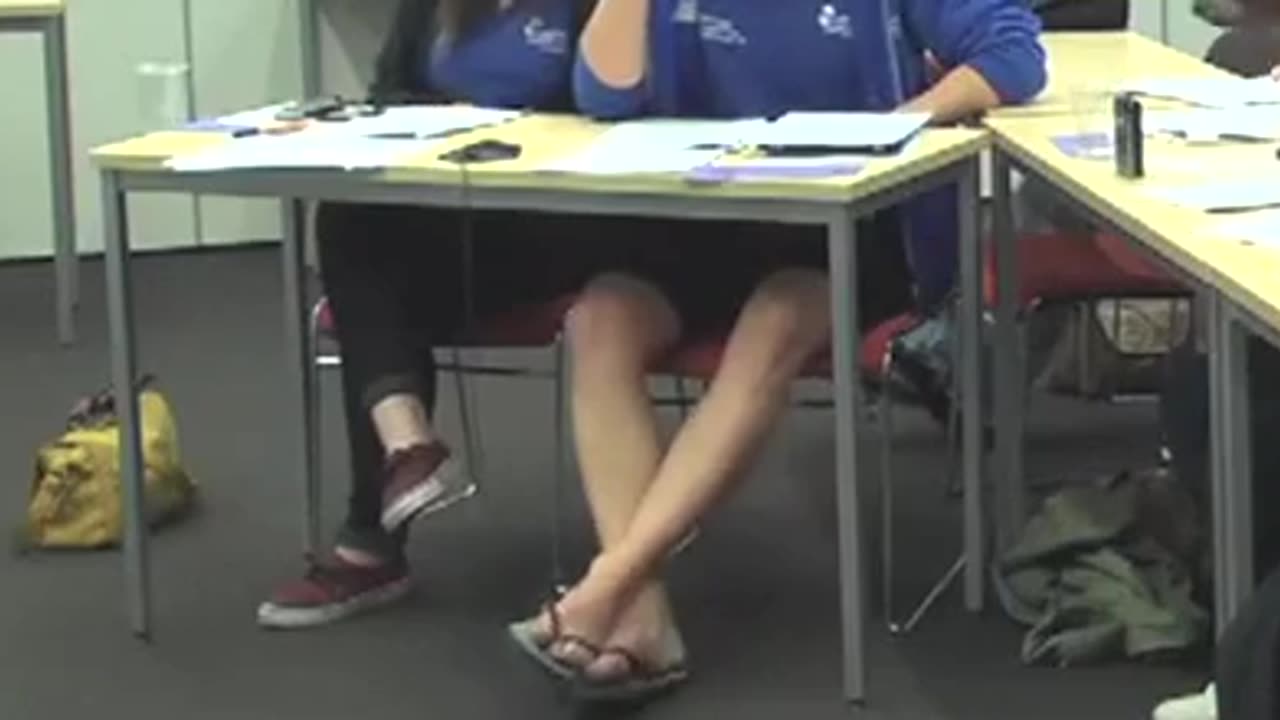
(1237, 284)
(1100, 62)
(47, 18)
(939, 157)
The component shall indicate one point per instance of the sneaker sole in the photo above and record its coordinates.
(425, 499)
(277, 617)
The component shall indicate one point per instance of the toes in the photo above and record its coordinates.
(609, 667)
(573, 652)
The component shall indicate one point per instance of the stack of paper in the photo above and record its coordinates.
(1225, 92)
(1249, 123)
(837, 132)
(654, 147)
(301, 151)
(1223, 197)
(363, 143)
(420, 121)
(679, 146)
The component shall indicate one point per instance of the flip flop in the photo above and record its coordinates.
(644, 681)
(525, 635)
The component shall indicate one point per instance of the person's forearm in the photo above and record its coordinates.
(615, 42)
(960, 93)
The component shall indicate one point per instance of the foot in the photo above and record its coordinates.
(334, 589)
(1201, 706)
(596, 615)
(645, 641)
(421, 479)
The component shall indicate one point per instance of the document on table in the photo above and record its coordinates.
(1260, 228)
(680, 146)
(421, 121)
(654, 147)
(1260, 123)
(301, 151)
(1225, 92)
(1223, 197)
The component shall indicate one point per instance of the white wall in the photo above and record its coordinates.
(243, 52)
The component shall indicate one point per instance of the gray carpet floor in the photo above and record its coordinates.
(756, 595)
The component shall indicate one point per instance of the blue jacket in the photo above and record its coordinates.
(520, 58)
(734, 58)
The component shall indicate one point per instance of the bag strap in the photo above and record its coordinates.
(100, 407)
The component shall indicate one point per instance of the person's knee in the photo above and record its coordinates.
(619, 313)
(790, 312)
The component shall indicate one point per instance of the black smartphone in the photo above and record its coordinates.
(482, 151)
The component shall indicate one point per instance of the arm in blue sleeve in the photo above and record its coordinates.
(597, 100)
(1000, 39)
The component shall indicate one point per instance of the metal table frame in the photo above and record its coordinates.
(52, 29)
(298, 188)
(309, 44)
(1228, 325)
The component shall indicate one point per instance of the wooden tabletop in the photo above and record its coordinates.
(1099, 63)
(1191, 240)
(546, 138)
(30, 8)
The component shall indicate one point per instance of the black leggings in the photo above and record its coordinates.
(401, 282)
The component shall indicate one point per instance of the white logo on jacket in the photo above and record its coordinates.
(720, 30)
(834, 22)
(541, 37)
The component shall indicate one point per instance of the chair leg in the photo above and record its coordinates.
(885, 412)
(561, 448)
(896, 627)
(471, 440)
(313, 495)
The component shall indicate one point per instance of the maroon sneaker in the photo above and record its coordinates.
(421, 480)
(333, 590)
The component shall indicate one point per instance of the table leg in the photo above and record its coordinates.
(971, 392)
(298, 364)
(115, 227)
(1231, 459)
(309, 40)
(842, 246)
(1008, 383)
(59, 133)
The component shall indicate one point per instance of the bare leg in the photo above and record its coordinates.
(782, 325)
(617, 328)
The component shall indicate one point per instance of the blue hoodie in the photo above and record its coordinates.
(519, 58)
(747, 58)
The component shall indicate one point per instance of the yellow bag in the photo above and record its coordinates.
(76, 496)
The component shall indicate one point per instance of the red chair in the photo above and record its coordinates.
(538, 325)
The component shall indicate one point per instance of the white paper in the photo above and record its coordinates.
(1225, 92)
(1260, 228)
(421, 121)
(1231, 196)
(300, 151)
(654, 146)
(257, 117)
(853, 130)
(1206, 126)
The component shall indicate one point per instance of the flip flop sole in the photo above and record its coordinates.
(524, 636)
(633, 689)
